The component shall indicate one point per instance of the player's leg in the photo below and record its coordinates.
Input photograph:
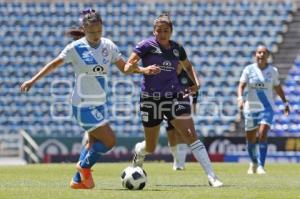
(181, 150)
(171, 141)
(263, 147)
(151, 120)
(251, 128)
(177, 147)
(186, 128)
(100, 139)
(147, 146)
(251, 148)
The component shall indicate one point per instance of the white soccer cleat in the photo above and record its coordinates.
(138, 159)
(214, 182)
(252, 168)
(177, 168)
(260, 170)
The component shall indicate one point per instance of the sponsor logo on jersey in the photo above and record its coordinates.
(98, 69)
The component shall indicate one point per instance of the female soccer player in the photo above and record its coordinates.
(91, 57)
(163, 95)
(260, 79)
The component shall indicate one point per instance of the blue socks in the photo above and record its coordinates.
(93, 154)
(83, 153)
(263, 148)
(251, 147)
(88, 158)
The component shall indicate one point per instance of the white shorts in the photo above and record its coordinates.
(91, 117)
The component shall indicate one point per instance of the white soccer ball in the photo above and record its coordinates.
(134, 178)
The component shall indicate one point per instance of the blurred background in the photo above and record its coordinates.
(219, 37)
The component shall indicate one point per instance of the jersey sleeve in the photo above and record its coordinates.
(141, 48)
(244, 76)
(66, 53)
(116, 55)
(182, 53)
(276, 80)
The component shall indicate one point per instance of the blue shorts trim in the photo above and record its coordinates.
(90, 117)
(253, 120)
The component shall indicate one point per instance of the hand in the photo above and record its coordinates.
(287, 110)
(191, 90)
(241, 104)
(25, 87)
(151, 70)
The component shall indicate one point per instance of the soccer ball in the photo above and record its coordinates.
(134, 178)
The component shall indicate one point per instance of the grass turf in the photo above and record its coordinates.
(50, 181)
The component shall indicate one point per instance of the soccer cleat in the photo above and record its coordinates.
(86, 176)
(77, 185)
(252, 168)
(214, 182)
(138, 159)
(176, 167)
(260, 170)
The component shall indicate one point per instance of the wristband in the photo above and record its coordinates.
(240, 98)
(286, 104)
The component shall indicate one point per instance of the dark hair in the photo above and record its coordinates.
(163, 18)
(75, 33)
(260, 45)
(89, 16)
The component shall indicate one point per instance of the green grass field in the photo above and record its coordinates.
(50, 181)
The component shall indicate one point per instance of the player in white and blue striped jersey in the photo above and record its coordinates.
(261, 79)
(91, 57)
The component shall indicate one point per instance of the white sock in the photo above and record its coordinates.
(181, 150)
(140, 148)
(200, 153)
(173, 151)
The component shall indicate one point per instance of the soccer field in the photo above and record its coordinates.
(50, 181)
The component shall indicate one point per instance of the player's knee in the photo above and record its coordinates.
(111, 142)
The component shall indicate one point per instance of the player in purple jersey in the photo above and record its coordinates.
(261, 79)
(163, 95)
(91, 56)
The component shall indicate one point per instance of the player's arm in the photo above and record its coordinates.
(190, 70)
(240, 92)
(48, 68)
(179, 69)
(278, 89)
(131, 66)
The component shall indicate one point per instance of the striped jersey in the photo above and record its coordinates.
(260, 85)
(91, 68)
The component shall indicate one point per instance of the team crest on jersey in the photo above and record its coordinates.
(176, 52)
(104, 52)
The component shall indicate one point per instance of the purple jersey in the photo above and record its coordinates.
(166, 81)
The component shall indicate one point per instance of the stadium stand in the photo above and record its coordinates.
(219, 37)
